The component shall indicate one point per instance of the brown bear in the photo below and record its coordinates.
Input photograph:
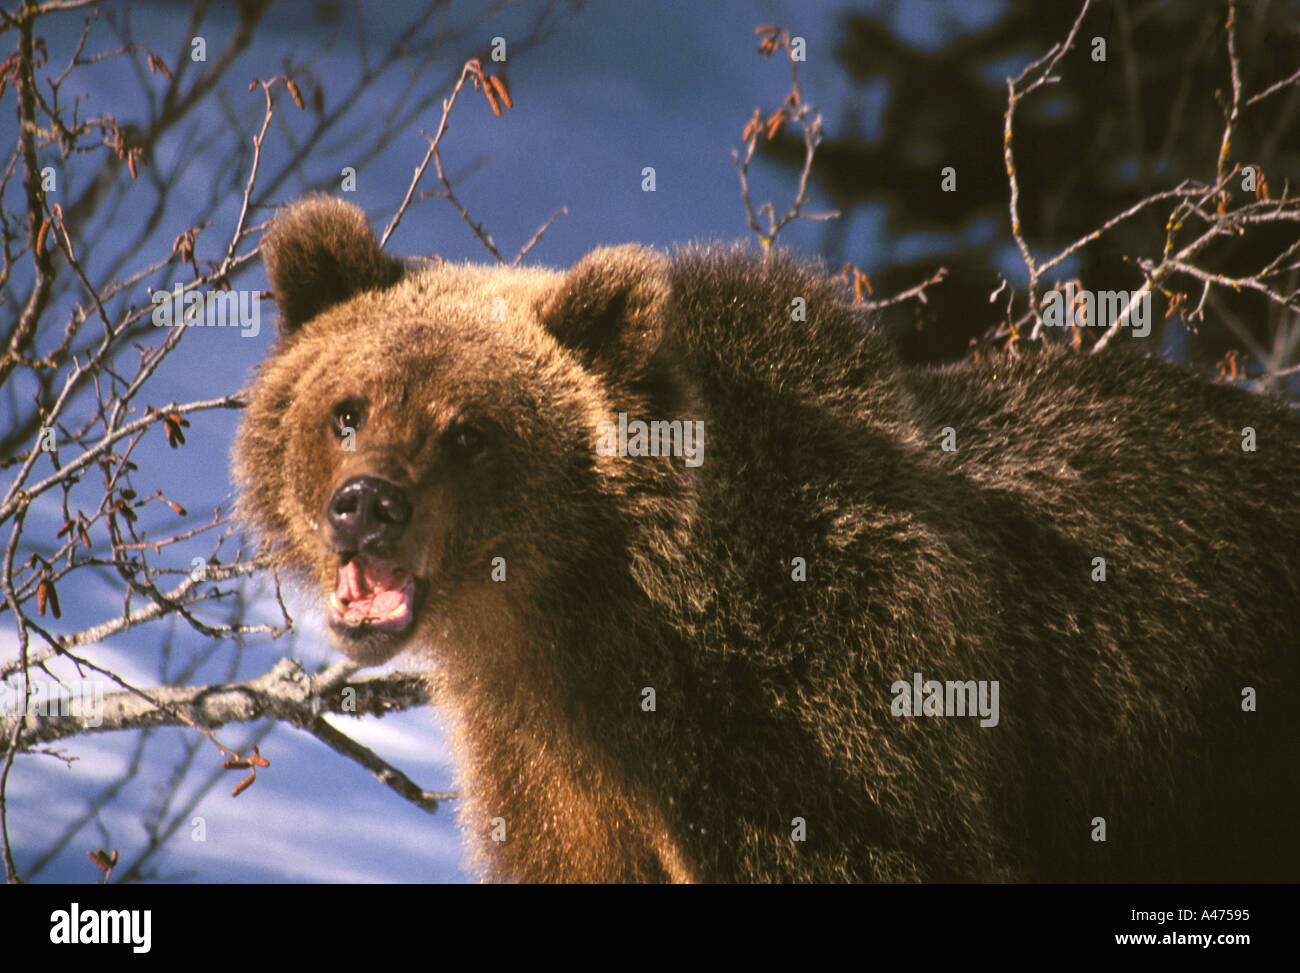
(718, 590)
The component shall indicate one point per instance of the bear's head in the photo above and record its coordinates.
(421, 447)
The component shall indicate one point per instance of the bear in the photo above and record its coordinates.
(717, 589)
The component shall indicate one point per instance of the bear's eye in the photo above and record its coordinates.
(348, 415)
(467, 439)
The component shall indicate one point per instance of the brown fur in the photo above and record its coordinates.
(1118, 699)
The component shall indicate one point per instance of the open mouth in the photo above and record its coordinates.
(372, 594)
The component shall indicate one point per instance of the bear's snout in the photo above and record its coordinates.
(367, 514)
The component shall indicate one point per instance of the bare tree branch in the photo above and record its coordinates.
(793, 109)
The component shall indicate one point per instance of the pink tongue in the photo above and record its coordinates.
(373, 592)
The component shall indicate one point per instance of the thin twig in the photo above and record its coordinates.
(794, 109)
(1015, 94)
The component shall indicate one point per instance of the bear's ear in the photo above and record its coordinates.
(319, 252)
(611, 308)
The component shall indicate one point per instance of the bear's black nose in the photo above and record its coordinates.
(367, 512)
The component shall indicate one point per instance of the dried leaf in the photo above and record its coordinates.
(1230, 367)
(183, 245)
(862, 289)
(491, 94)
(502, 91)
(102, 859)
(47, 595)
(172, 424)
(156, 64)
